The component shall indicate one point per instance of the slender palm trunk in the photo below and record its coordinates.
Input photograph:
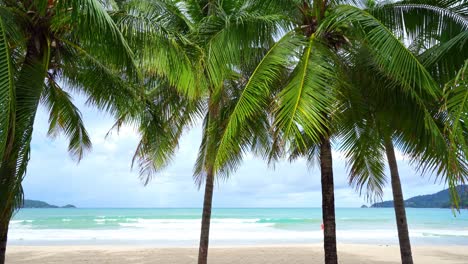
(328, 202)
(398, 202)
(3, 241)
(206, 218)
(7, 182)
(6, 205)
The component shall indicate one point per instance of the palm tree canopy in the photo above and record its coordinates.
(312, 51)
(195, 56)
(44, 45)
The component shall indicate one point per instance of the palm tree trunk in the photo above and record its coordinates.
(6, 204)
(7, 197)
(3, 241)
(328, 202)
(399, 205)
(206, 218)
(7, 193)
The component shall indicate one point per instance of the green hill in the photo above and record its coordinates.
(436, 200)
(41, 204)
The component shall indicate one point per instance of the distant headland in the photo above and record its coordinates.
(436, 200)
(41, 204)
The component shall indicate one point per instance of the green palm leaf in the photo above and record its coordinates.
(456, 94)
(203, 155)
(161, 128)
(155, 29)
(65, 117)
(390, 53)
(225, 46)
(359, 129)
(445, 59)
(84, 15)
(105, 87)
(255, 94)
(6, 90)
(308, 97)
(365, 160)
(424, 21)
(29, 85)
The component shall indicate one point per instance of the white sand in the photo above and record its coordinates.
(288, 254)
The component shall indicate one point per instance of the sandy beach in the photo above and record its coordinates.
(288, 254)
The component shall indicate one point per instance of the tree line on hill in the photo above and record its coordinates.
(40, 204)
(440, 199)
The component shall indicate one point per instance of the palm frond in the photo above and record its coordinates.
(64, 117)
(29, 85)
(441, 150)
(365, 96)
(255, 94)
(158, 33)
(308, 97)
(156, 149)
(161, 121)
(307, 148)
(105, 87)
(233, 33)
(389, 52)
(104, 40)
(445, 59)
(199, 170)
(6, 90)
(425, 21)
(365, 160)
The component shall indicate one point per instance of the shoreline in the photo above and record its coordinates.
(144, 245)
(234, 246)
(287, 253)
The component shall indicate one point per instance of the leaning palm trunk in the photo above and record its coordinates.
(6, 177)
(7, 206)
(328, 202)
(398, 202)
(206, 218)
(3, 241)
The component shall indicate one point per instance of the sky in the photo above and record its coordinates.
(104, 177)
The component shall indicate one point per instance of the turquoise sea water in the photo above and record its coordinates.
(173, 227)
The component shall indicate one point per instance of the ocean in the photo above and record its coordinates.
(233, 226)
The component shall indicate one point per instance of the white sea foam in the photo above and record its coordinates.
(193, 234)
(165, 230)
(193, 224)
(16, 222)
(23, 223)
(229, 230)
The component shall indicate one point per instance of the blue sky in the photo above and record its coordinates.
(104, 178)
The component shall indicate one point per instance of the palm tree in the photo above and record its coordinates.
(44, 44)
(368, 131)
(439, 30)
(307, 107)
(195, 55)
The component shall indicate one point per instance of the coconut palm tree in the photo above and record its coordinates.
(375, 120)
(307, 107)
(437, 33)
(195, 56)
(45, 45)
